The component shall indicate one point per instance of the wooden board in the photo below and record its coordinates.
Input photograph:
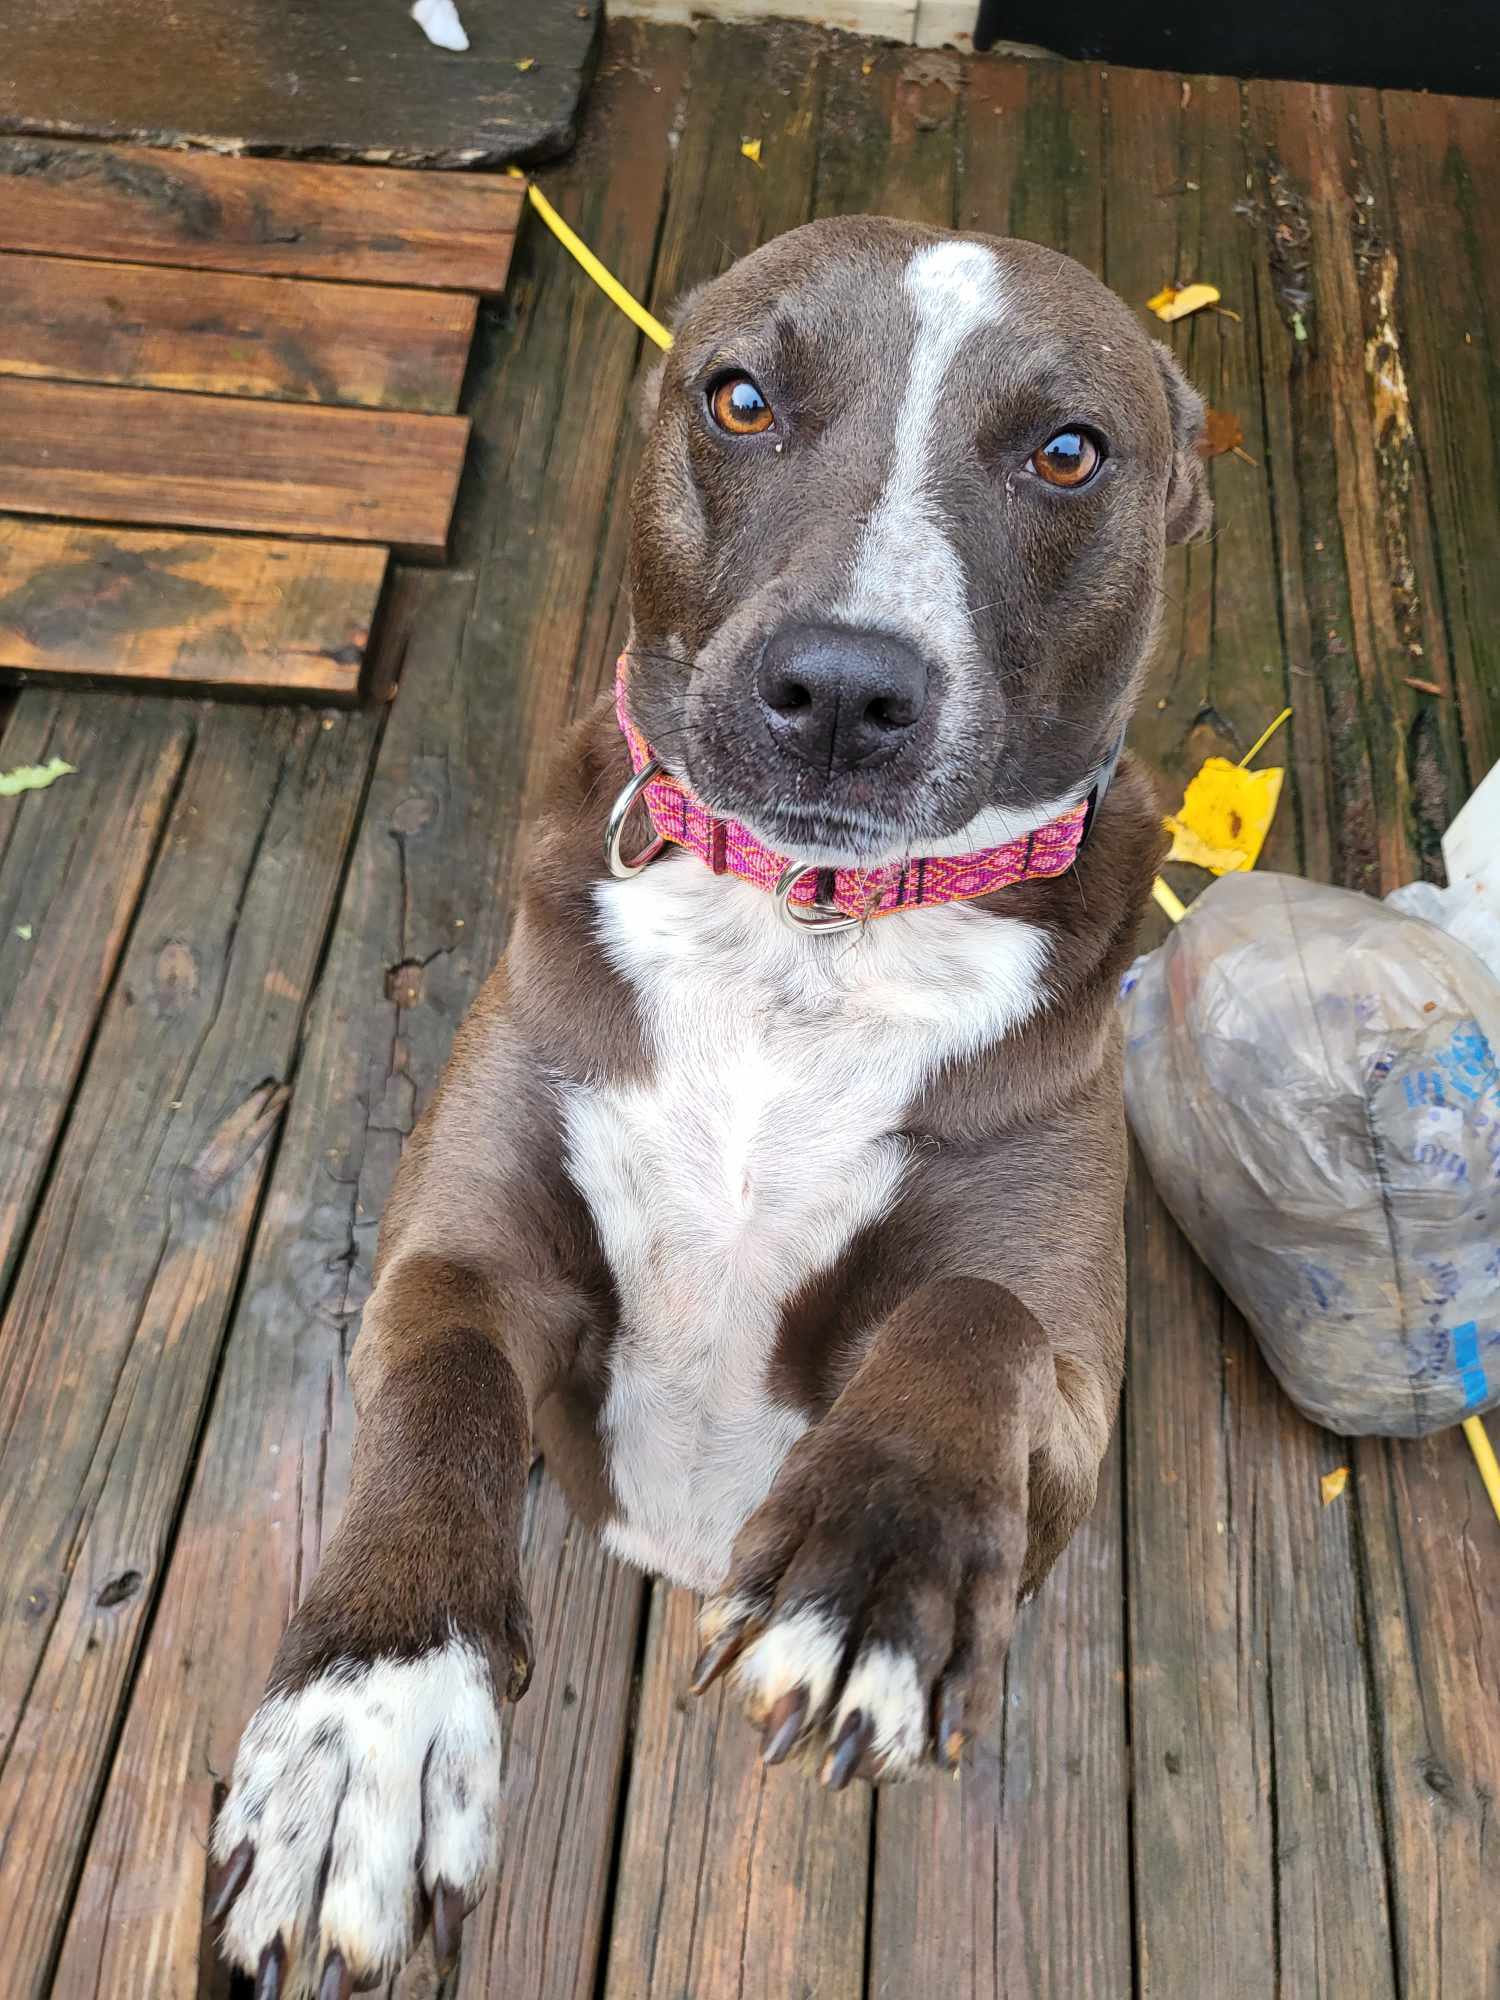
(144, 456)
(465, 744)
(339, 80)
(69, 893)
(268, 617)
(277, 218)
(71, 320)
(134, 1260)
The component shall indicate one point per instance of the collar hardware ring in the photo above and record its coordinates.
(807, 916)
(614, 832)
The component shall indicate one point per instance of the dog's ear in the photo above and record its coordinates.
(1189, 508)
(648, 395)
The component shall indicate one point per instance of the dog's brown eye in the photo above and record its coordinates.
(1071, 458)
(739, 408)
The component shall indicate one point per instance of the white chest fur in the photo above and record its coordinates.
(765, 1138)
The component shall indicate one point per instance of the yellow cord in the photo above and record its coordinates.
(1166, 900)
(1484, 1458)
(1264, 738)
(607, 282)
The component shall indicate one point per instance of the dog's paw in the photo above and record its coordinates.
(866, 1617)
(364, 1803)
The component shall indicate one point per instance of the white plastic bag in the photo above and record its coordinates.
(1312, 1078)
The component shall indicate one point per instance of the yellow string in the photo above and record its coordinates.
(1264, 738)
(1484, 1458)
(607, 282)
(1166, 900)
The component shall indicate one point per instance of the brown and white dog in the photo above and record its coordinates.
(795, 1243)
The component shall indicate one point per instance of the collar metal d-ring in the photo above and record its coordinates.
(807, 916)
(614, 832)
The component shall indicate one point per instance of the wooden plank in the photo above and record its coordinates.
(147, 457)
(464, 745)
(1016, 1881)
(112, 1334)
(217, 333)
(69, 890)
(271, 617)
(278, 218)
(340, 80)
(732, 1879)
(1258, 1836)
(1442, 157)
(1386, 190)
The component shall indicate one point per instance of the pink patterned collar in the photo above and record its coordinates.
(856, 894)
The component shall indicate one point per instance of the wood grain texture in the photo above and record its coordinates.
(488, 653)
(339, 80)
(1258, 1829)
(67, 900)
(217, 333)
(1382, 187)
(133, 1264)
(266, 617)
(144, 456)
(733, 1879)
(275, 218)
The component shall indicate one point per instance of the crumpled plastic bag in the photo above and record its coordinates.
(1312, 1078)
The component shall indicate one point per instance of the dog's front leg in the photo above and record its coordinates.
(870, 1601)
(366, 1788)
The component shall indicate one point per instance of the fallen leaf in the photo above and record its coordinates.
(866, 66)
(1299, 327)
(1221, 432)
(751, 149)
(1333, 1483)
(526, 63)
(33, 777)
(23, 932)
(1225, 816)
(1176, 302)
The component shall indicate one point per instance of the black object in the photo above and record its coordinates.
(1451, 45)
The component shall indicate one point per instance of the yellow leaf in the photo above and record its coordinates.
(1172, 303)
(751, 149)
(32, 777)
(526, 63)
(1225, 816)
(1333, 1483)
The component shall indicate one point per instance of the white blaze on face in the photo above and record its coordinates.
(908, 577)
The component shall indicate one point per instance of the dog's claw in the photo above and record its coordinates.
(950, 1737)
(715, 1657)
(784, 1725)
(228, 1879)
(851, 1743)
(447, 1926)
(337, 1982)
(272, 1966)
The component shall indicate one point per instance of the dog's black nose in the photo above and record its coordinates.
(840, 698)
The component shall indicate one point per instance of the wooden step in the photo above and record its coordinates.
(73, 320)
(200, 610)
(146, 457)
(278, 218)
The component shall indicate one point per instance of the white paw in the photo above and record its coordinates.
(872, 1713)
(378, 1781)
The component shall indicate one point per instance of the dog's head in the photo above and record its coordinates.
(898, 536)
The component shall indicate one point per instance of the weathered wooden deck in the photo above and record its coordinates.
(1252, 1743)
